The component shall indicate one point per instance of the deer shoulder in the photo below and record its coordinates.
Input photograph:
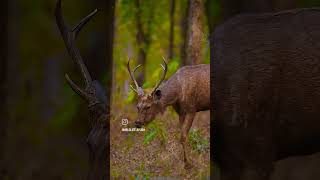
(190, 87)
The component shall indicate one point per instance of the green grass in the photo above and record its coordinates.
(197, 141)
(155, 130)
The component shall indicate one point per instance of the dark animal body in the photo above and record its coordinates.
(95, 96)
(265, 72)
(188, 91)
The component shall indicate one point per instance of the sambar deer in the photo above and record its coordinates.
(95, 96)
(265, 72)
(188, 91)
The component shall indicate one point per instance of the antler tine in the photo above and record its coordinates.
(132, 75)
(165, 68)
(82, 23)
(133, 89)
(69, 40)
(134, 70)
(75, 88)
(162, 66)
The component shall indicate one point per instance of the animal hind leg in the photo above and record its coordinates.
(181, 120)
(184, 135)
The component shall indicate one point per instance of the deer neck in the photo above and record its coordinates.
(170, 93)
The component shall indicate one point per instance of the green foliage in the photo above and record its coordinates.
(173, 66)
(156, 18)
(146, 85)
(131, 97)
(197, 141)
(214, 11)
(154, 130)
(150, 136)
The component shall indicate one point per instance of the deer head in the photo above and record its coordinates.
(94, 94)
(148, 105)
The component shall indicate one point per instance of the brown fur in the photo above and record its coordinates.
(188, 91)
(266, 91)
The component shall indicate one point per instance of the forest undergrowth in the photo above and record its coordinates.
(157, 152)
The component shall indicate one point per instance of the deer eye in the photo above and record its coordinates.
(148, 107)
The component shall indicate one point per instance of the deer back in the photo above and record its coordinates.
(265, 72)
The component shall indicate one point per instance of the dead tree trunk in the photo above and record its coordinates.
(195, 32)
(3, 81)
(171, 34)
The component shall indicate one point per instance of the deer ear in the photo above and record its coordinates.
(157, 95)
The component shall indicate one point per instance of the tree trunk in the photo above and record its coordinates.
(171, 35)
(195, 34)
(141, 40)
(3, 82)
(184, 26)
(143, 37)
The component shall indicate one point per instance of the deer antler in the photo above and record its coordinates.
(165, 68)
(69, 37)
(138, 89)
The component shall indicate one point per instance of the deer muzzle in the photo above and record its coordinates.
(138, 124)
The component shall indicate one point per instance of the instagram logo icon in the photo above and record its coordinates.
(124, 122)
